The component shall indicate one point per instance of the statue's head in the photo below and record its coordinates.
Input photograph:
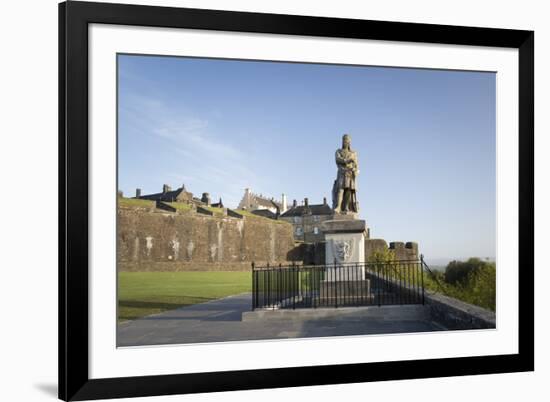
(346, 141)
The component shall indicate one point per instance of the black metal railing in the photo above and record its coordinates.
(337, 285)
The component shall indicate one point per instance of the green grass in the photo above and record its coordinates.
(145, 293)
(181, 206)
(216, 211)
(244, 212)
(134, 202)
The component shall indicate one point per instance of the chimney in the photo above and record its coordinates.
(306, 202)
(183, 187)
(324, 200)
(294, 204)
(283, 204)
(166, 188)
(138, 192)
(205, 198)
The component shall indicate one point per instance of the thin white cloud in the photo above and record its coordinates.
(210, 163)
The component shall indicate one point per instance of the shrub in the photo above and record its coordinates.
(472, 281)
(482, 286)
(458, 272)
(382, 256)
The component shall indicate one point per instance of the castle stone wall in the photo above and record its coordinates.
(402, 251)
(161, 241)
(405, 251)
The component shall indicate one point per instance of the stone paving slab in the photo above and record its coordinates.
(221, 320)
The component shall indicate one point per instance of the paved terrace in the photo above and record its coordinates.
(222, 320)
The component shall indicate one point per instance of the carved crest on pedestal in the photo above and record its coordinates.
(342, 250)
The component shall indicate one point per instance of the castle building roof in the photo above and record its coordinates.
(257, 200)
(169, 195)
(218, 204)
(265, 202)
(312, 209)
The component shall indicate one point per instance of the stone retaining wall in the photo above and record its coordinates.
(455, 314)
(162, 241)
(450, 313)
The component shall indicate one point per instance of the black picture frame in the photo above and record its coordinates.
(74, 381)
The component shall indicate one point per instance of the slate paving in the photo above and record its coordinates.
(221, 320)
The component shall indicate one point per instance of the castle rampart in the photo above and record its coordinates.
(154, 240)
(402, 251)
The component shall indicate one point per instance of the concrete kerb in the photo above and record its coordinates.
(446, 312)
(389, 313)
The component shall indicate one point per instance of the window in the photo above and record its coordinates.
(315, 230)
(299, 231)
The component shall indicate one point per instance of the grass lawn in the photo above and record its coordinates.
(181, 206)
(214, 210)
(145, 293)
(244, 212)
(134, 202)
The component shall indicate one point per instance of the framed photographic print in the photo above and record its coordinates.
(257, 200)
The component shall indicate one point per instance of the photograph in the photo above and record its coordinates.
(272, 200)
(266, 201)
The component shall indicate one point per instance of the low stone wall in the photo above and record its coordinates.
(162, 241)
(448, 312)
(455, 314)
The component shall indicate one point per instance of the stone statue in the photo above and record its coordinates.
(343, 192)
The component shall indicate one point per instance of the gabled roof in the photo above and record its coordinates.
(257, 200)
(217, 204)
(264, 202)
(169, 195)
(314, 209)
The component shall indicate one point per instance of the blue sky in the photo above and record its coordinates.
(425, 140)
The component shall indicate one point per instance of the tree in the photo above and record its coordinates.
(382, 256)
(473, 281)
(457, 272)
(482, 286)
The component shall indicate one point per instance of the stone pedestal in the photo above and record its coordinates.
(345, 245)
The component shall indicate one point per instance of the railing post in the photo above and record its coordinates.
(422, 275)
(336, 283)
(279, 286)
(294, 287)
(379, 284)
(268, 272)
(253, 287)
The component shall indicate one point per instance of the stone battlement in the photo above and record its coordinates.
(402, 250)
